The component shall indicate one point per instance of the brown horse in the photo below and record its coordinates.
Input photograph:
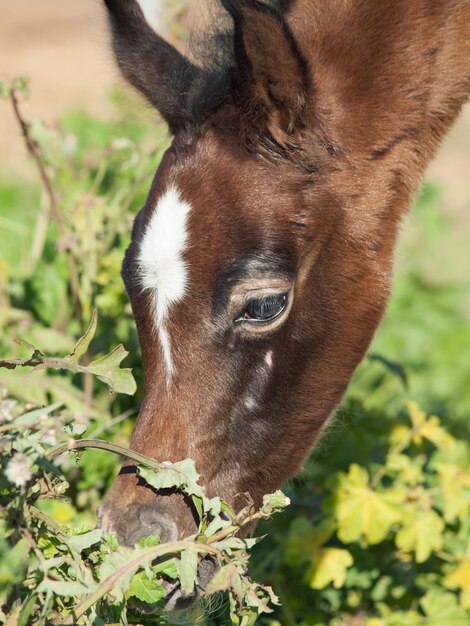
(260, 265)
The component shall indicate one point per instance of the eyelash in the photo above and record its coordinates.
(256, 309)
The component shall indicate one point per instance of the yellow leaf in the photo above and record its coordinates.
(460, 578)
(329, 565)
(62, 512)
(422, 532)
(305, 538)
(363, 512)
(455, 485)
(399, 434)
(408, 470)
(429, 428)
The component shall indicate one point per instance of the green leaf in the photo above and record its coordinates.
(227, 577)
(75, 429)
(167, 568)
(65, 588)
(396, 618)
(43, 337)
(149, 542)
(274, 503)
(31, 418)
(256, 598)
(85, 540)
(231, 545)
(37, 389)
(441, 609)
(111, 541)
(187, 570)
(48, 545)
(47, 290)
(82, 345)
(26, 610)
(329, 565)
(149, 591)
(13, 563)
(179, 475)
(115, 562)
(395, 368)
(107, 368)
(218, 523)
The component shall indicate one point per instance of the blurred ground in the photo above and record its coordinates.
(63, 46)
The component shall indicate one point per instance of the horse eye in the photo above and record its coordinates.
(263, 310)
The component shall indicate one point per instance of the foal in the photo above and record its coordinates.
(260, 265)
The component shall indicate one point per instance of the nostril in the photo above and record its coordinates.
(152, 522)
(132, 524)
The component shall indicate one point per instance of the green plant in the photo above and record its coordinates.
(386, 541)
(51, 574)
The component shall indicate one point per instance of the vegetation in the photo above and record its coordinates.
(378, 529)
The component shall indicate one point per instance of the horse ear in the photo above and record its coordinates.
(271, 82)
(168, 80)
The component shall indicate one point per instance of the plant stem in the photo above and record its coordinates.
(83, 444)
(233, 528)
(397, 450)
(35, 152)
(445, 556)
(43, 517)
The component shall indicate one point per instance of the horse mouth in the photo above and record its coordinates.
(175, 598)
(147, 521)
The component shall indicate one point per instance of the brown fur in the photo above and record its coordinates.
(307, 153)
